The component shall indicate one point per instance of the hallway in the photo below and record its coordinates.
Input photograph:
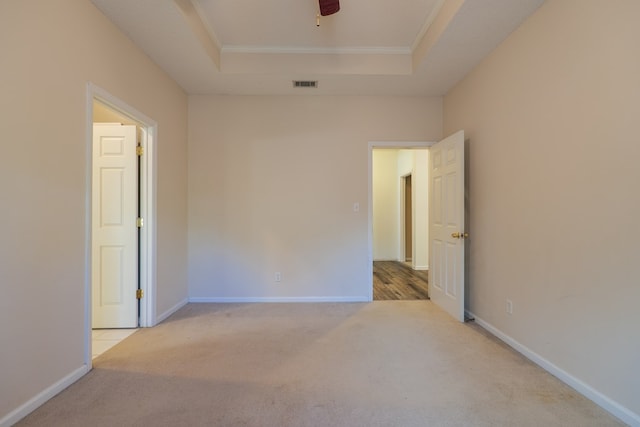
(394, 280)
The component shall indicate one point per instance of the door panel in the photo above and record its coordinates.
(114, 249)
(446, 203)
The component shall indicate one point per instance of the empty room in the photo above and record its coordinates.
(203, 175)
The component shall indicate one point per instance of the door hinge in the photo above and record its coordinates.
(139, 293)
(140, 222)
(139, 150)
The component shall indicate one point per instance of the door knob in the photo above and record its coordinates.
(459, 235)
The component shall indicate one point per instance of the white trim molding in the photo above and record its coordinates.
(275, 299)
(172, 310)
(605, 402)
(290, 50)
(39, 399)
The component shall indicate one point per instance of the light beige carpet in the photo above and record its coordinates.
(386, 363)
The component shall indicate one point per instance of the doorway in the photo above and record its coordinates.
(101, 107)
(398, 220)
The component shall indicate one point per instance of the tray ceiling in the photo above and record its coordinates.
(370, 47)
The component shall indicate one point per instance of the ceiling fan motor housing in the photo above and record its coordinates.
(329, 7)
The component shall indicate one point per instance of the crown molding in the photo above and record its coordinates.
(279, 50)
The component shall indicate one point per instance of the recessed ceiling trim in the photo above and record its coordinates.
(201, 31)
(314, 64)
(320, 51)
(445, 45)
(432, 17)
(447, 12)
(206, 23)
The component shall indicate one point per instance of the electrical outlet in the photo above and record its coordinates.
(278, 276)
(509, 307)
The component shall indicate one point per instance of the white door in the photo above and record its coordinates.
(114, 249)
(446, 224)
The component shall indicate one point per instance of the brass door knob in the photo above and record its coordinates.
(458, 235)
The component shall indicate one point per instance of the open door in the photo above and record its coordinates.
(446, 224)
(114, 228)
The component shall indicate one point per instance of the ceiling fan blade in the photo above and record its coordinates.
(329, 7)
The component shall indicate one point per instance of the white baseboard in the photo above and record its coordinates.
(610, 405)
(276, 299)
(172, 310)
(421, 267)
(39, 399)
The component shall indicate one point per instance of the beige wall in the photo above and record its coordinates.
(420, 188)
(384, 170)
(552, 116)
(272, 183)
(49, 51)
(415, 162)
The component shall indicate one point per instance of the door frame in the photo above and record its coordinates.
(403, 220)
(399, 145)
(148, 207)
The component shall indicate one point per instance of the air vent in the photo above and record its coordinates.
(305, 83)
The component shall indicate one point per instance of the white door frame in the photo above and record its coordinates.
(403, 222)
(381, 144)
(148, 186)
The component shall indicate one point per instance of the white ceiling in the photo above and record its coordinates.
(370, 47)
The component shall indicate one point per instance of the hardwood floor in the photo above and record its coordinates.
(393, 280)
